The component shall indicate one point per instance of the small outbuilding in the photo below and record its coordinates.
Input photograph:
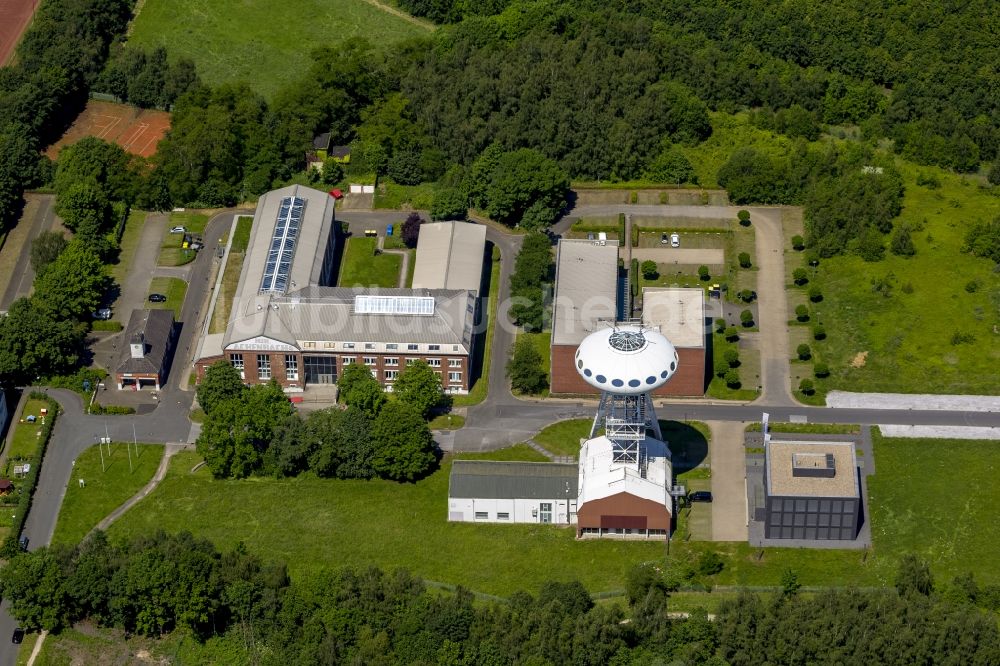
(145, 361)
(6, 486)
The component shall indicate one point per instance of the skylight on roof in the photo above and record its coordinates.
(279, 255)
(395, 305)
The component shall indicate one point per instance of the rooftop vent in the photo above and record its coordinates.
(816, 465)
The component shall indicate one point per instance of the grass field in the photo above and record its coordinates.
(173, 288)
(104, 491)
(939, 499)
(360, 265)
(404, 197)
(749, 370)
(26, 435)
(939, 314)
(313, 523)
(898, 341)
(262, 43)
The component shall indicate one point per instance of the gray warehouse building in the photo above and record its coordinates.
(812, 490)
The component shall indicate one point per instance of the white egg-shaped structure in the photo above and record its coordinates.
(626, 359)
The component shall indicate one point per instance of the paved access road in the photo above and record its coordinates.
(44, 219)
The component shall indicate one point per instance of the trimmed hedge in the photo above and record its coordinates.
(11, 546)
(621, 229)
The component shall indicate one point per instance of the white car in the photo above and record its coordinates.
(675, 240)
(178, 230)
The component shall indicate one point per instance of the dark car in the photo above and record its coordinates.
(700, 496)
(18, 636)
(157, 298)
(23, 541)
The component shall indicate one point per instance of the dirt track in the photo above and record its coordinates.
(15, 15)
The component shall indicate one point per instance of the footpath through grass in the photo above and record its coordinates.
(362, 267)
(265, 44)
(311, 523)
(103, 491)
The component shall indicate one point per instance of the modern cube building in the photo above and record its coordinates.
(812, 490)
(289, 323)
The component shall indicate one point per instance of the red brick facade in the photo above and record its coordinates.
(688, 381)
(380, 363)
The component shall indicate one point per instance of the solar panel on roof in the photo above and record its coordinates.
(399, 305)
(279, 255)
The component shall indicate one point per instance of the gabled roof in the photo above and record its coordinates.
(321, 141)
(483, 479)
(156, 328)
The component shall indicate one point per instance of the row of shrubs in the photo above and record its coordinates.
(11, 546)
(98, 408)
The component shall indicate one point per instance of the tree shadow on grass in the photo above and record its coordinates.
(688, 447)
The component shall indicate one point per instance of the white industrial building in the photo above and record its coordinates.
(512, 492)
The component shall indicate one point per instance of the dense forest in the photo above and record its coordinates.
(246, 610)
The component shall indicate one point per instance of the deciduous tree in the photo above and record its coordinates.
(419, 386)
(525, 368)
(402, 446)
(221, 382)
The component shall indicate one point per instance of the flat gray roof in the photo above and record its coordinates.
(586, 289)
(486, 479)
(679, 314)
(450, 256)
(782, 483)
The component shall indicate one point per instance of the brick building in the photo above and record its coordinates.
(591, 292)
(288, 322)
(146, 359)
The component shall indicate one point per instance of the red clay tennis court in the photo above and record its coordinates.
(136, 130)
(15, 15)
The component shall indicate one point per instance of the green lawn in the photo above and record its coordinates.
(311, 523)
(749, 370)
(262, 43)
(938, 498)
(173, 288)
(172, 252)
(563, 438)
(26, 435)
(447, 422)
(896, 342)
(360, 265)
(104, 491)
(129, 243)
(241, 239)
(479, 389)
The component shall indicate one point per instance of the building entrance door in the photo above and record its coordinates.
(545, 512)
(320, 369)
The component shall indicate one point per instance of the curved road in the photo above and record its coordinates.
(498, 421)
